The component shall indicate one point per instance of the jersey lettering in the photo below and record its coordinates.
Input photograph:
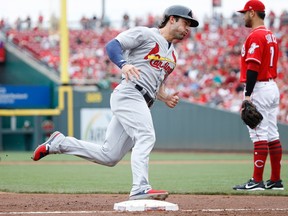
(271, 38)
(159, 62)
(271, 56)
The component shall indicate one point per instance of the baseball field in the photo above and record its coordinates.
(200, 183)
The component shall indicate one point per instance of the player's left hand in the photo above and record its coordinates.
(250, 115)
(130, 72)
(172, 100)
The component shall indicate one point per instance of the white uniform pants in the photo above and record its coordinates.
(131, 127)
(266, 98)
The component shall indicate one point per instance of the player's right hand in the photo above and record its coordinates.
(130, 72)
(172, 100)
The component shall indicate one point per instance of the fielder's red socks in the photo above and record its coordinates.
(260, 156)
(275, 152)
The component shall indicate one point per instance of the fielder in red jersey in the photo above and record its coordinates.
(259, 58)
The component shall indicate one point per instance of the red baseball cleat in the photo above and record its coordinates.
(43, 149)
(150, 194)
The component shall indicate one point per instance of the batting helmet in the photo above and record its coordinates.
(181, 11)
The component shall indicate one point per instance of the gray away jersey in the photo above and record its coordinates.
(148, 50)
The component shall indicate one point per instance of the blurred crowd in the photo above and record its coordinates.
(207, 70)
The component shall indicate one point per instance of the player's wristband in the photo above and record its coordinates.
(122, 65)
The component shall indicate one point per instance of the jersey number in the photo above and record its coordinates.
(271, 56)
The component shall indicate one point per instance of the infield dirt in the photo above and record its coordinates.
(102, 204)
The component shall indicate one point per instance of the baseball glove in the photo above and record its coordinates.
(250, 115)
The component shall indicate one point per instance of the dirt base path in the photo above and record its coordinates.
(102, 204)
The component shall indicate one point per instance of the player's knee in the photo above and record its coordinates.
(152, 138)
(149, 136)
(111, 159)
(111, 163)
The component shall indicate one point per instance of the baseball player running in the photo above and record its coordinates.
(146, 56)
(258, 71)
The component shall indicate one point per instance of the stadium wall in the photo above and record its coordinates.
(17, 72)
(22, 132)
(197, 127)
(188, 126)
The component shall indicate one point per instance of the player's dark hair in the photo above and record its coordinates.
(165, 20)
(261, 14)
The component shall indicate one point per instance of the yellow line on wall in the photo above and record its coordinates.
(70, 119)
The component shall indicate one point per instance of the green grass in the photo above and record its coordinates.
(180, 173)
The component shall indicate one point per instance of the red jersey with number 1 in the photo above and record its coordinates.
(261, 47)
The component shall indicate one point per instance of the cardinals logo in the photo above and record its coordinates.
(159, 62)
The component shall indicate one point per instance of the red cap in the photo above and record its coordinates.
(255, 5)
